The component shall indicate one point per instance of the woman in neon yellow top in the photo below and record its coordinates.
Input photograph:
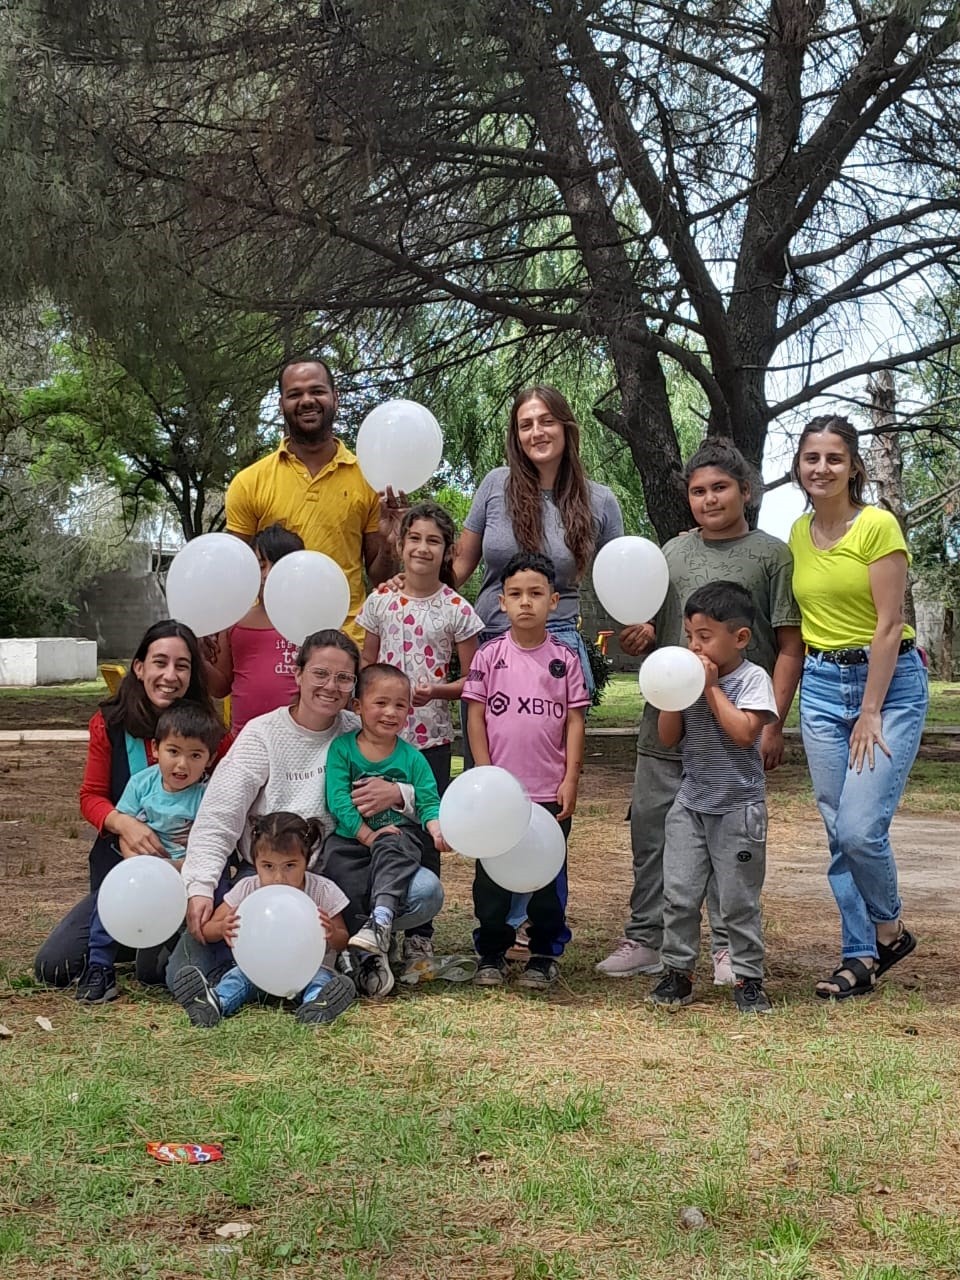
(863, 694)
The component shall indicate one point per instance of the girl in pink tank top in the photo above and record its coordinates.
(251, 661)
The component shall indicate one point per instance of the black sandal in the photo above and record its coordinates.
(866, 981)
(898, 950)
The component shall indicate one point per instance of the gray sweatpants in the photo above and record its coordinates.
(732, 847)
(655, 786)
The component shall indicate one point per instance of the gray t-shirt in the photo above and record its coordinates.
(488, 516)
(719, 776)
(760, 563)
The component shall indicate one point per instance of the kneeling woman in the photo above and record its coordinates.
(165, 668)
(278, 762)
(863, 694)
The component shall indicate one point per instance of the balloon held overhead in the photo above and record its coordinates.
(399, 445)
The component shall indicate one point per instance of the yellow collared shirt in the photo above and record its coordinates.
(331, 511)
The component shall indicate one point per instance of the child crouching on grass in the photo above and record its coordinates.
(165, 796)
(717, 826)
(282, 845)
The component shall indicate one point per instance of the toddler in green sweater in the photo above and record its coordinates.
(373, 856)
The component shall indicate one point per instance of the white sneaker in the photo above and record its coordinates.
(628, 959)
(723, 975)
(373, 937)
(374, 976)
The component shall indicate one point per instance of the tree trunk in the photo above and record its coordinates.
(886, 462)
(946, 644)
(645, 422)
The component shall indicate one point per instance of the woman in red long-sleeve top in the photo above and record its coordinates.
(166, 667)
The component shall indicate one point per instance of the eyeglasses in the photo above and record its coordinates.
(341, 679)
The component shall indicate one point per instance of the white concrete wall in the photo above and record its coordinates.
(50, 660)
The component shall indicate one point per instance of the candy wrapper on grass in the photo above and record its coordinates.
(185, 1152)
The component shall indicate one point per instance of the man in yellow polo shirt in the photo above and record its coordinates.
(313, 486)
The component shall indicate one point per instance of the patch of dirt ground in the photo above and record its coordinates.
(44, 845)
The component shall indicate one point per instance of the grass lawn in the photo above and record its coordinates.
(462, 1135)
(83, 692)
(456, 1134)
(72, 705)
(622, 704)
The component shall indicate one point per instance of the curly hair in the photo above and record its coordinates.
(571, 493)
(444, 522)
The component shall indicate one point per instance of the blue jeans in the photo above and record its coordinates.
(103, 949)
(235, 989)
(423, 900)
(857, 807)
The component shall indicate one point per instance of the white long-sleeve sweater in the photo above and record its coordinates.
(275, 764)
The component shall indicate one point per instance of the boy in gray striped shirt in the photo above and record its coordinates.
(717, 825)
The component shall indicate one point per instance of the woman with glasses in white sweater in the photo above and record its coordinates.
(278, 762)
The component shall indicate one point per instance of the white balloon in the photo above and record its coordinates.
(142, 901)
(630, 577)
(484, 812)
(280, 942)
(304, 592)
(535, 860)
(672, 678)
(399, 444)
(212, 582)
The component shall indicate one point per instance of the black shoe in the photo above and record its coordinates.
(97, 985)
(192, 990)
(540, 972)
(490, 972)
(336, 997)
(674, 989)
(751, 997)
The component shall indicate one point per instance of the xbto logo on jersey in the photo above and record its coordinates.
(498, 704)
(540, 707)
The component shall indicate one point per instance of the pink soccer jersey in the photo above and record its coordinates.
(527, 694)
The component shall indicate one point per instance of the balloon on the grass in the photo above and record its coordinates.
(280, 942)
(212, 582)
(672, 678)
(304, 592)
(399, 445)
(142, 901)
(484, 812)
(630, 577)
(535, 860)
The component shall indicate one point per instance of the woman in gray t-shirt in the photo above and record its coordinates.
(542, 501)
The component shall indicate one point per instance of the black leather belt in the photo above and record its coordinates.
(853, 657)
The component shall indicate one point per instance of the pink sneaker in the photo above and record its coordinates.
(628, 959)
(723, 975)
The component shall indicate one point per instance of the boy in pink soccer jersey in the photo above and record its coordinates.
(527, 713)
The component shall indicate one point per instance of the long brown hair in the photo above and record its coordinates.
(571, 492)
(847, 432)
(130, 708)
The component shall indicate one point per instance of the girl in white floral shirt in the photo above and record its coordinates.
(417, 627)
